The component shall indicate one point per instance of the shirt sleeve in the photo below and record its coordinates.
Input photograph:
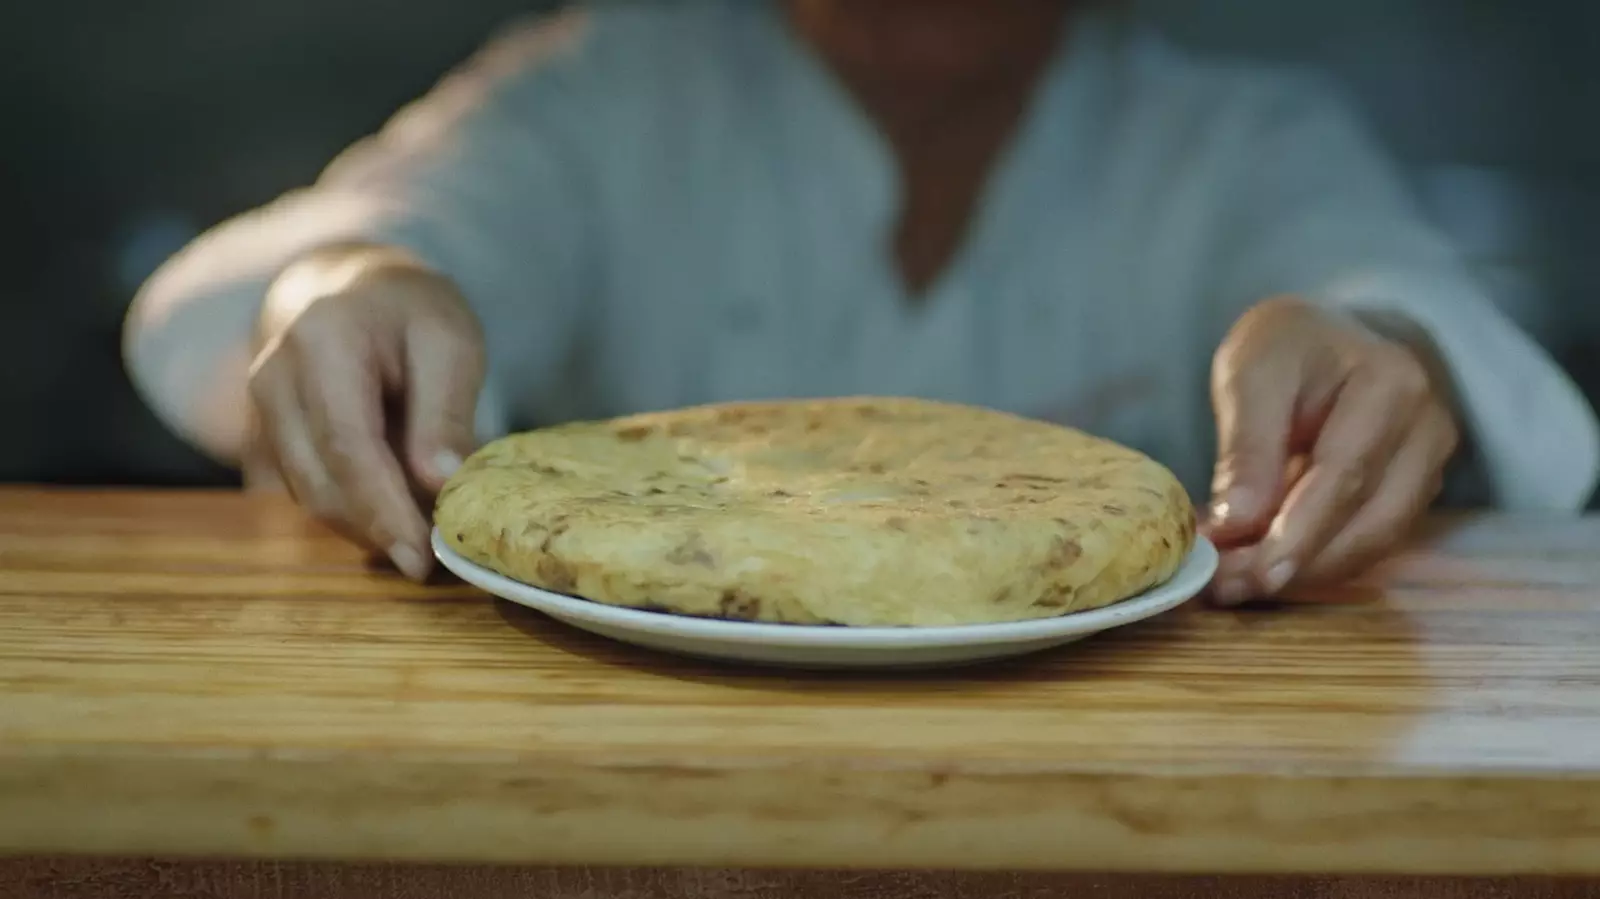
(483, 179)
(1315, 209)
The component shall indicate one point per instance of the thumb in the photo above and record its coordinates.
(444, 367)
(1254, 405)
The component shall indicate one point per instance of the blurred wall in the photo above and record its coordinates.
(1490, 104)
(131, 126)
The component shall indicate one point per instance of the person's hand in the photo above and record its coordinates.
(1333, 440)
(363, 391)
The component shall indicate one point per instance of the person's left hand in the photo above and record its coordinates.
(1333, 440)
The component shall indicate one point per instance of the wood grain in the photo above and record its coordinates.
(208, 673)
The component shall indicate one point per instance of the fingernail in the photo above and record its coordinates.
(446, 463)
(1217, 513)
(409, 561)
(1279, 576)
(1231, 505)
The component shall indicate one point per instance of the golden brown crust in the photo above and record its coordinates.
(860, 511)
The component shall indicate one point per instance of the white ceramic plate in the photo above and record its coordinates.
(801, 646)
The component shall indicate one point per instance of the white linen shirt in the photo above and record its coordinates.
(657, 205)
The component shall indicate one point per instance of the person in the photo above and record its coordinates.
(1034, 205)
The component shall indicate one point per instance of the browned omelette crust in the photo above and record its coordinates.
(859, 511)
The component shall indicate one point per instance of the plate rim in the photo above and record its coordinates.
(1191, 577)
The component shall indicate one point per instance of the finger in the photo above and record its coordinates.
(1368, 420)
(298, 468)
(285, 443)
(1235, 581)
(443, 371)
(258, 462)
(343, 399)
(258, 471)
(1254, 407)
(1411, 483)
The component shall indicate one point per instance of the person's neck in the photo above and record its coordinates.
(947, 93)
(972, 67)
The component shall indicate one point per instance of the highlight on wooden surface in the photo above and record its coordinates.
(209, 673)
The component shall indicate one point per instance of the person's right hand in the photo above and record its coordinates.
(364, 390)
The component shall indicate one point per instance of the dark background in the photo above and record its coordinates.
(130, 126)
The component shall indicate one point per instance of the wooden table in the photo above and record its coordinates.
(208, 674)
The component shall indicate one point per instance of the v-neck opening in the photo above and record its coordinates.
(995, 194)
